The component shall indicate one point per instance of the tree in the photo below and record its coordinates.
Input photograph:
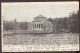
(73, 22)
(23, 25)
(8, 25)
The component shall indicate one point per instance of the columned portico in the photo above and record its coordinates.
(37, 26)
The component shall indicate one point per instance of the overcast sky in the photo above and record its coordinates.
(29, 10)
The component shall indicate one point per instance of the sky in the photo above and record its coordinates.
(26, 11)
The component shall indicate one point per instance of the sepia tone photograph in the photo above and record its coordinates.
(40, 26)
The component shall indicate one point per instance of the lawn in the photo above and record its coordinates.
(66, 38)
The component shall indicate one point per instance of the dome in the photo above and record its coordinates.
(40, 16)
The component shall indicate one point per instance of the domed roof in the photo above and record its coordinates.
(40, 16)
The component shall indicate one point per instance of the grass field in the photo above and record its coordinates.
(66, 38)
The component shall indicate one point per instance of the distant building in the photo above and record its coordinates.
(40, 25)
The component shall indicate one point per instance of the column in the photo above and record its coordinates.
(40, 26)
(35, 26)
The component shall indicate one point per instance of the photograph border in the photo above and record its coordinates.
(35, 1)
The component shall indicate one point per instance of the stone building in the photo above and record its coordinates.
(40, 25)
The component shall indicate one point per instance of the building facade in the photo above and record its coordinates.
(40, 25)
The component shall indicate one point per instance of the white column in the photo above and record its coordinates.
(35, 26)
(40, 26)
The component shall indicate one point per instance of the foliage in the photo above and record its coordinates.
(61, 24)
(8, 25)
(66, 24)
(23, 25)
